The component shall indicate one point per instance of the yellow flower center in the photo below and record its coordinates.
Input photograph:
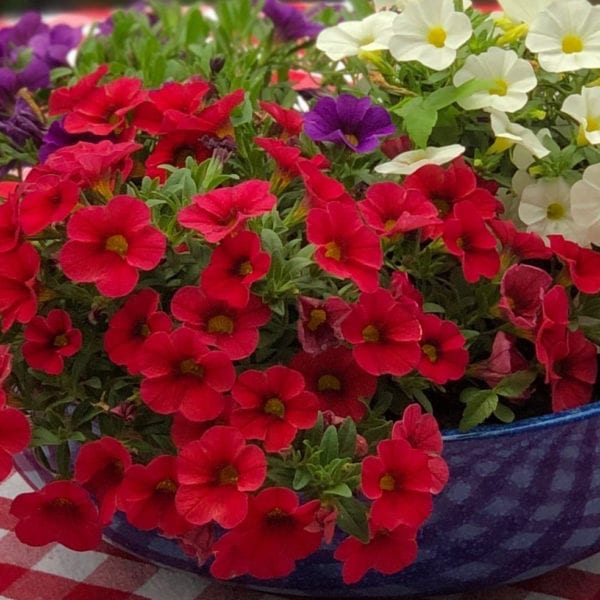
(370, 334)
(571, 44)
(387, 483)
(328, 382)
(351, 138)
(245, 268)
(430, 351)
(390, 224)
(499, 88)
(117, 243)
(593, 124)
(220, 324)
(275, 407)
(60, 341)
(437, 37)
(317, 317)
(190, 367)
(333, 250)
(555, 211)
(167, 486)
(228, 475)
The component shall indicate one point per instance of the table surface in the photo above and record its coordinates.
(53, 572)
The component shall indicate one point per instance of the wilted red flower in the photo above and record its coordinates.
(131, 325)
(346, 247)
(198, 542)
(319, 322)
(147, 496)
(216, 473)
(401, 288)
(398, 481)
(466, 236)
(290, 121)
(62, 512)
(181, 373)
(235, 264)
(100, 468)
(46, 200)
(272, 406)
(18, 275)
(108, 244)
(49, 340)
(521, 291)
(553, 324)
(385, 333)
(15, 433)
(220, 212)
(234, 330)
(443, 354)
(5, 368)
(391, 209)
(273, 536)
(335, 378)
(388, 551)
(518, 245)
(583, 263)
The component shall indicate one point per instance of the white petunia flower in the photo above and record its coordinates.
(585, 109)
(585, 202)
(512, 134)
(545, 208)
(430, 32)
(401, 4)
(351, 38)
(523, 12)
(521, 157)
(510, 79)
(409, 162)
(566, 36)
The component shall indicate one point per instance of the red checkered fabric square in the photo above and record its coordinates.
(53, 572)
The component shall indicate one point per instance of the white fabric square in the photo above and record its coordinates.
(68, 563)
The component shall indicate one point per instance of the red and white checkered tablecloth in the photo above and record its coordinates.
(53, 572)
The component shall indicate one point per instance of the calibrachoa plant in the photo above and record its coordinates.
(252, 259)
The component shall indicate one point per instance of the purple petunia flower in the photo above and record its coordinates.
(290, 23)
(348, 120)
(58, 137)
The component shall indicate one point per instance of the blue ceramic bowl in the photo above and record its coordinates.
(523, 499)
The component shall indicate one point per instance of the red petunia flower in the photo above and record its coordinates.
(321, 189)
(388, 551)
(184, 431)
(235, 264)
(100, 468)
(185, 98)
(385, 333)
(319, 322)
(216, 473)
(131, 325)
(466, 236)
(583, 263)
(220, 212)
(521, 291)
(105, 109)
(60, 512)
(391, 209)
(272, 406)
(443, 354)
(64, 99)
(518, 245)
(346, 247)
(289, 121)
(181, 373)
(335, 378)
(553, 324)
(49, 199)
(49, 340)
(15, 434)
(398, 480)
(147, 496)
(108, 244)
(230, 329)
(275, 534)
(5, 369)
(10, 226)
(19, 268)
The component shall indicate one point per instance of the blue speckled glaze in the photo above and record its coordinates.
(522, 499)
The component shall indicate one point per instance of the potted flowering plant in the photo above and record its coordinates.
(250, 266)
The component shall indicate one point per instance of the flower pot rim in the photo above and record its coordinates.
(564, 417)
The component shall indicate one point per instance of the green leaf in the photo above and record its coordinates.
(352, 518)
(419, 120)
(301, 479)
(330, 445)
(515, 384)
(43, 437)
(446, 96)
(480, 406)
(504, 414)
(347, 438)
(341, 489)
(313, 436)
